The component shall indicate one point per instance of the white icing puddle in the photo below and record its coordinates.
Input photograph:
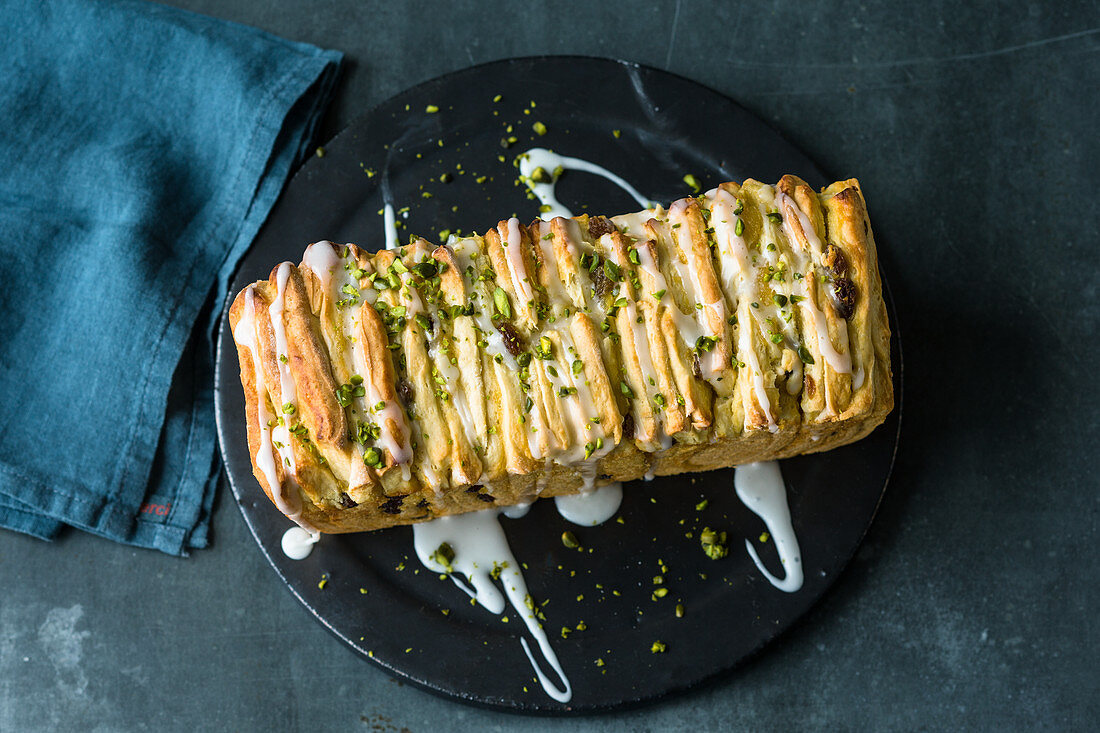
(297, 543)
(760, 487)
(590, 508)
(548, 161)
(479, 545)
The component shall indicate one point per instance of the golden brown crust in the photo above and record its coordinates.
(745, 324)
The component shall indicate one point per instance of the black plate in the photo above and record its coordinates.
(668, 127)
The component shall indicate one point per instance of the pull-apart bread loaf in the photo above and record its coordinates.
(740, 325)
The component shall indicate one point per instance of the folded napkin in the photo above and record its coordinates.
(141, 149)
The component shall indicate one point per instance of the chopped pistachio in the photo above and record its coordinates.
(713, 543)
(503, 305)
(690, 180)
(658, 647)
(431, 109)
(444, 555)
(570, 540)
(539, 128)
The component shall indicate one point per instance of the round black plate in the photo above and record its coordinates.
(377, 599)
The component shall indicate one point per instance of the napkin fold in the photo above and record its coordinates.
(141, 149)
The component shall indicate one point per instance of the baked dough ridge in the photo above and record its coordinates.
(744, 324)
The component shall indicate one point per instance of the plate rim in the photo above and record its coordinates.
(677, 690)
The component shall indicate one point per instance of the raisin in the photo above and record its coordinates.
(695, 369)
(404, 392)
(599, 226)
(346, 501)
(422, 504)
(628, 426)
(601, 283)
(834, 260)
(474, 489)
(844, 297)
(393, 506)
(512, 340)
(486, 498)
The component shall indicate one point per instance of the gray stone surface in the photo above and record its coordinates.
(973, 601)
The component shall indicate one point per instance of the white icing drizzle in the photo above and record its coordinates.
(327, 266)
(548, 161)
(513, 253)
(483, 311)
(579, 404)
(479, 543)
(287, 390)
(297, 543)
(686, 325)
(740, 280)
(590, 508)
(245, 334)
(641, 347)
(324, 263)
(633, 225)
(840, 362)
(760, 487)
(709, 361)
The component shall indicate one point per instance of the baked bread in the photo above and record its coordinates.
(740, 325)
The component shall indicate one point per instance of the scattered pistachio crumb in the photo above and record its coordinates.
(690, 180)
(570, 540)
(323, 582)
(539, 128)
(701, 505)
(764, 536)
(497, 98)
(713, 543)
(658, 647)
(616, 134)
(320, 152)
(363, 591)
(679, 610)
(431, 109)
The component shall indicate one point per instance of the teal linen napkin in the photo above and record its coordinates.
(141, 149)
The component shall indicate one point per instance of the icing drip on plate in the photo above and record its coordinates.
(760, 487)
(479, 545)
(549, 162)
(297, 543)
(590, 508)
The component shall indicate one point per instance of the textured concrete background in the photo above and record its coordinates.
(973, 602)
